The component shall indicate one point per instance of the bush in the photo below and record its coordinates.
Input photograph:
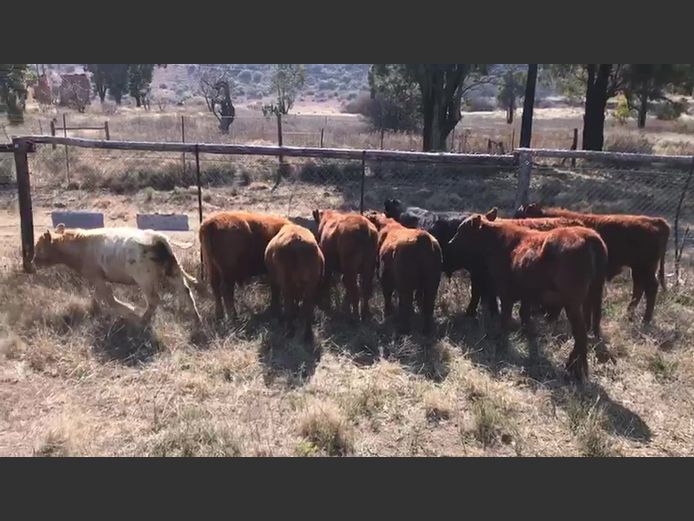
(481, 104)
(245, 76)
(629, 143)
(621, 112)
(670, 110)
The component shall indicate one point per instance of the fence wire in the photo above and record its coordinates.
(604, 187)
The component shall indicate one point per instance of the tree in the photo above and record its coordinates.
(528, 106)
(287, 81)
(600, 82)
(216, 87)
(395, 102)
(510, 89)
(646, 82)
(117, 81)
(13, 91)
(441, 88)
(100, 72)
(139, 80)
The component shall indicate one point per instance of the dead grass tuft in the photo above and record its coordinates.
(324, 425)
(436, 406)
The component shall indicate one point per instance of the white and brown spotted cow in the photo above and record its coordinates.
(122, 255)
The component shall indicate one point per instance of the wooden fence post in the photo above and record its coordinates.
(525, 163)
(197, 175)
(363, 176)
(107, 131)
(183, 140)
(26, 215)
(67, 155)
(574, 146)
(321, 137)
(53, 130)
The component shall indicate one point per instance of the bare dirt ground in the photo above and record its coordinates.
(73, 382)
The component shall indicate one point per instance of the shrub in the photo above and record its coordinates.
(670, 110)
(630, 143)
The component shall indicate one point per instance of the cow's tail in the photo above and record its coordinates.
(205, 251)
(661, 269)
(166, 256)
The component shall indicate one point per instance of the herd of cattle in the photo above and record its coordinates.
(549, 259)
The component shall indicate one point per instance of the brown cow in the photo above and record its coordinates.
(350, 244)
(541, 224)
(535, 223)
(410, 263)
(233, 250)
(296, 266)
(560, 267)
(636, 241)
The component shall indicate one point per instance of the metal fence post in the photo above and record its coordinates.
(26, 215)
(363, 176)
(107, 131)
(525, 161)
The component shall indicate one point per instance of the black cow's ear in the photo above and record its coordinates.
(492, 214)
(316, 216)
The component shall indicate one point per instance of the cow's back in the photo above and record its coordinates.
(235, 242)
(294, 260)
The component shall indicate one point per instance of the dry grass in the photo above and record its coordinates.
(77, 382)
(326, 428)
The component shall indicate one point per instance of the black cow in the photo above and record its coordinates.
(443, 226)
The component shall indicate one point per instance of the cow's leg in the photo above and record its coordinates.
(388, 288)
(351, 292)
(366, 290)
(405, 301)
(506, 312)
(291, 309)
(187, 295)
(577, 363)
(307, 315)
(650, 285)
(152, 298)
(426, 305)
(324, 290)
(274, 299)
(526, 311)
(105, 293)
(216, 285)
(228, 296)
(476, 283)
(637, 293)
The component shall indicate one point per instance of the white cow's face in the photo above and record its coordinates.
(45, 250)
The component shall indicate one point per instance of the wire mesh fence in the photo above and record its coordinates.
(123, 183)
(8, 178)
(602, 187)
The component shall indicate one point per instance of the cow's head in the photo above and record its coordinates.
(46, 250)
(468, 233)
(492, 214)
(528, 210)
(393, 208)
(377, 218)
(318, 215)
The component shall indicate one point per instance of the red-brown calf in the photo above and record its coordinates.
(295, 266)
(636, 241)
(560, 267)
(349, 242)
(409, 263)
(233, 249)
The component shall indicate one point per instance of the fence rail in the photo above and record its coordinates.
(603, 182)
(272, 150)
